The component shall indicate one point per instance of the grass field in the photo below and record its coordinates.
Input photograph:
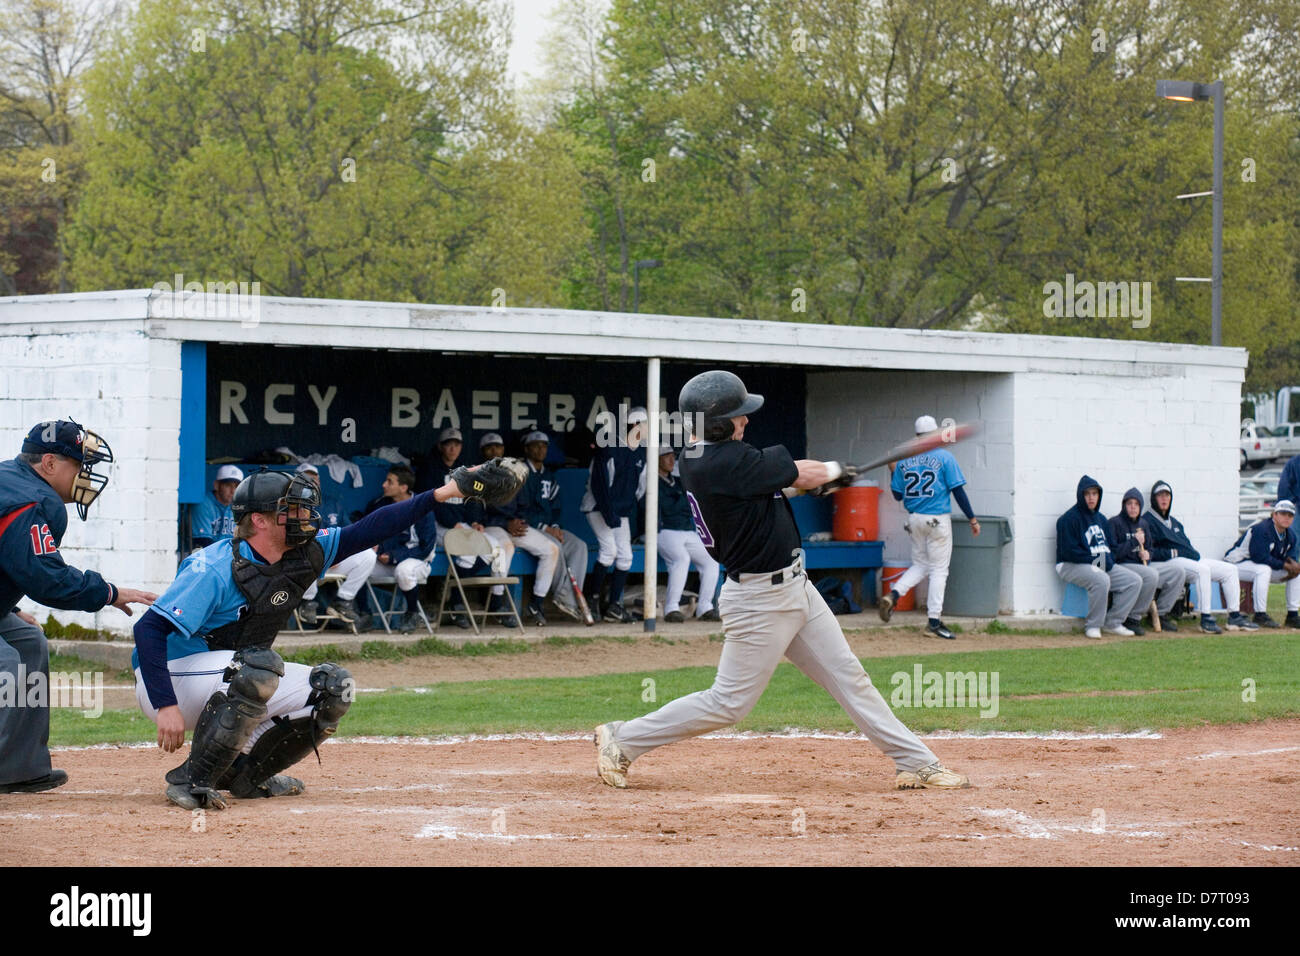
(1123, 686)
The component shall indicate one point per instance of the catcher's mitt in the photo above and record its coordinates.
(494, 482)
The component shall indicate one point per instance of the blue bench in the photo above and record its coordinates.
(1075, 601)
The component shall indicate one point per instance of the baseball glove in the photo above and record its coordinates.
(494, 482)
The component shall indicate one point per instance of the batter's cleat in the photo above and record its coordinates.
(1092, 633)
(674, 617)
(611, 764)
(886, 608)
(1239, 622)
(307, 612)
(937, 628)
(189, 797)
(1292, 619)
(1168, 624)
(55, 778)
(1119, 631)
(936, 775)
(710, 615)
(1263, 620)
(1209, 625)
(1135, 625)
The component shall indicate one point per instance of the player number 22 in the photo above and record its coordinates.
(919, 483)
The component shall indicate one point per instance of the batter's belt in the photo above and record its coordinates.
(777, 577)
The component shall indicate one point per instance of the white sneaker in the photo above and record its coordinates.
(611, 763)
(1119, 629)
(1093, 633)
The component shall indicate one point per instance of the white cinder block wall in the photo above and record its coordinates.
(857, 415)
(1124, 431)
(127, 387)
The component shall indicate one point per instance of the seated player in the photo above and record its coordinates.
(1170, 543)
(203, 657)
(408, 552)
(1129, 535)
(357, 568)
(1083, 557)
(493, 446)
(211, 519)
(680, 545)
(614, 485)
(1266, 552)
(539, 506)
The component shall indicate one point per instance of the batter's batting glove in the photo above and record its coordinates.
(494, 482)
(848, 474)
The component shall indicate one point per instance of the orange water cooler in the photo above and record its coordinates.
(857, 513)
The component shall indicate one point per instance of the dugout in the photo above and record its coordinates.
(146, 367)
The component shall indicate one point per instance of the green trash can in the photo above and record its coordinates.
(975, 574)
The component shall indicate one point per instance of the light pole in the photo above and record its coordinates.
(636, 279)
(1184, 91)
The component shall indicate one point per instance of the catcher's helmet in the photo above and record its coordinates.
(70, 440)
(273, 492)
(717, 397)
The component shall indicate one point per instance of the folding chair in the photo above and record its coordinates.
(465, 542)
(322, 620)
(384, 576)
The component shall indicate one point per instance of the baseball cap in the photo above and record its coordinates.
(306, 466)
(637, 414)
(536, 436)
(926, 423)
(491, 438)
(64, 438)
(450, 434)
(231, 473)
(1284, 505)
(665, 450)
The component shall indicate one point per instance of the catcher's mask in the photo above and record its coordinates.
(70, 440)
(275, 492)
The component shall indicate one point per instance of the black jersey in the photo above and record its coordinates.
(735, 496)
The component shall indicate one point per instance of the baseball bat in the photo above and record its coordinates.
(582, 601)
(1155, 612)
(923, 443)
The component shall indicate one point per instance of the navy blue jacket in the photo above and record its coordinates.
(1288, 486)
(538, 501)
(1081, 533)
(1262, 544)
(1124, 545)
(33, 519)
(615, 490)
(458, 510)
(674, 509)
(398, 547)
(1170, 539)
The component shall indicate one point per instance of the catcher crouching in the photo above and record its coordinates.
(203, 659)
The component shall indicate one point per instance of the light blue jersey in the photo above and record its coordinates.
(204, 595)
(211, 519)
(925, 482)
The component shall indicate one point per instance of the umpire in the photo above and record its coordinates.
(56, 468)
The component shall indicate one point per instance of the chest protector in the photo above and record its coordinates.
(273, 592)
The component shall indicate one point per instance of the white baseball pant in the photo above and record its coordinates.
(547, 552)
(763, 621)
(931, 552)
(505, 553)
(197, 677)
(461, 562)
(679, 550)
(615, 543)
(1220, 572)
(357, 568)
(1260, 576)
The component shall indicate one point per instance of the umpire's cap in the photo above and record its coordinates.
(70, 440)
(718, 395)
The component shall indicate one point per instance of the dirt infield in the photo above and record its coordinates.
(1208, 796)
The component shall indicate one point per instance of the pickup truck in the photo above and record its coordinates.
(1258, 446)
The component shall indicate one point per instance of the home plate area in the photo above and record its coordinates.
(1203, 796)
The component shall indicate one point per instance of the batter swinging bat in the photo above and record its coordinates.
(923, 443)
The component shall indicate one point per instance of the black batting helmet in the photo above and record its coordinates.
(273, 492)
(716, 397)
